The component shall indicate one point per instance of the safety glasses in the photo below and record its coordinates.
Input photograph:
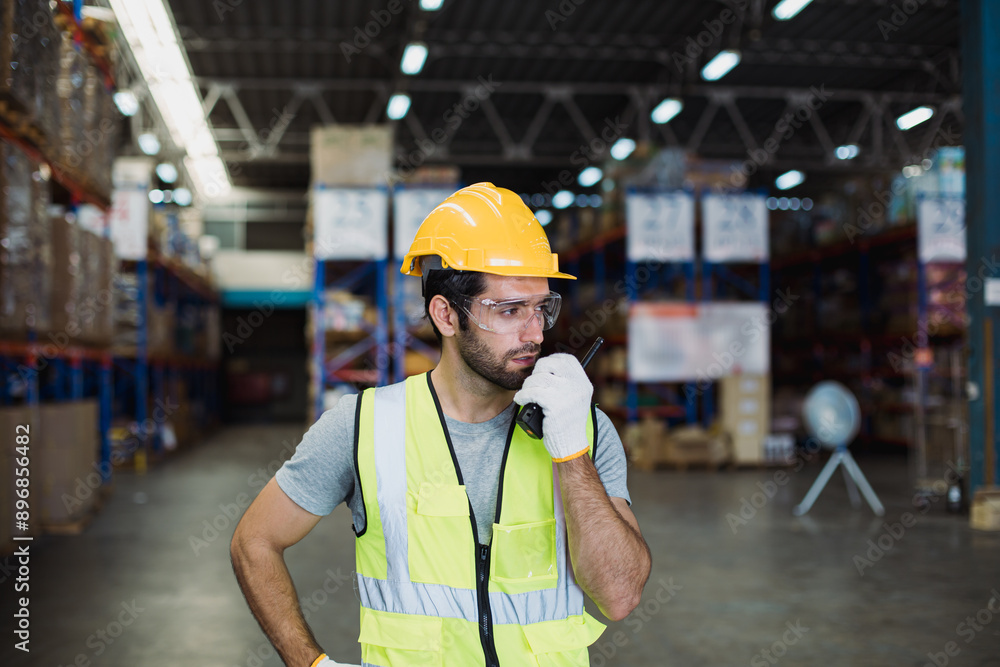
(512, 315)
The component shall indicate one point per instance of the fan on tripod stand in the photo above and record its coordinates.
(832, 417)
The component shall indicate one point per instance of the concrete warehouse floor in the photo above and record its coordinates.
(139, 589)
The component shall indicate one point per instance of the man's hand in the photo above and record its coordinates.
(562, 389)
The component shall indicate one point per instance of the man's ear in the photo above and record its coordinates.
(443, 315)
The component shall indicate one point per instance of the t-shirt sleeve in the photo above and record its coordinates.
(609, 460)
(320, 475)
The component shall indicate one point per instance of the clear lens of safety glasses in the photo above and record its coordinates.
(513, 315)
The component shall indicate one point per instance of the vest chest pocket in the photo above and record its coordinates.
(439, 545)
(524, 553)
(400, 640)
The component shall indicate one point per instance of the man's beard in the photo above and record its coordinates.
(477, 356)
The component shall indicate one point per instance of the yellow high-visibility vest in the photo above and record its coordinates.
(431, 592)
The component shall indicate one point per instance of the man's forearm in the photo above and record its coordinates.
(611, 561)
(268, 589)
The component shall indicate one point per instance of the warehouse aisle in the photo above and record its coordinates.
(150, 582)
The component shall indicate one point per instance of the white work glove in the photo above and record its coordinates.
(325, 661)
(562, 389)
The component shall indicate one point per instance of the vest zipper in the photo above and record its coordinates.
(483, 557)
(485, 616)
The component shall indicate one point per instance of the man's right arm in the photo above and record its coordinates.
(271, 524)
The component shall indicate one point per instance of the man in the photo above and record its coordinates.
(474, 542)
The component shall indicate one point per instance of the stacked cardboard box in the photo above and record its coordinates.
(745, 414)
(63, 457)
(62, 460)
(82, 299)
(27, 66)
(25, 255)
(351, 154)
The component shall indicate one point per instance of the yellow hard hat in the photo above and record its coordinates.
(484, 228)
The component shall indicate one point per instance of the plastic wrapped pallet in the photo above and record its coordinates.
(66, 277)
(24, 244)
(70, 142)
(26, 66)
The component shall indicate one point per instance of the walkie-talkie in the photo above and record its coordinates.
(530, 417)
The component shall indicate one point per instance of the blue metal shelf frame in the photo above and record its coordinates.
(666, 273)
(378, 339)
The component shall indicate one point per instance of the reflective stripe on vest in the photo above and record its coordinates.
(411, 491)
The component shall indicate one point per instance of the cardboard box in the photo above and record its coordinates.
(351, 154)
(688, 445)
(745, 414)
(985, 511)
(64, 454)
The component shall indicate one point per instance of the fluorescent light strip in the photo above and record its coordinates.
(149, 30)
(787, 9)
(414, 57)
(913, 118)
(720, 65)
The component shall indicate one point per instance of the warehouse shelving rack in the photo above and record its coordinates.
(141, 377)
(369, 346)
(715, 275)
(407, 337)
(869, 359)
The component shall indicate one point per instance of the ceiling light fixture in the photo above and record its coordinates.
(398, 105)
(590, 176)
(787, 9)
(913, 118)
(414, 57)
(789, 179)
(666, 110)
(149, 30)
(720, 65)
(622, 148)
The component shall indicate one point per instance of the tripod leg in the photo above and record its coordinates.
(819, 484)
(852, 488)
(859, 477)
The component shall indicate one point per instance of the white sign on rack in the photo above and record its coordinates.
(660, 226)
(941, 229)
(350, 223)
(409, 207)
(736, 228)
(130, 222)
(682, 342)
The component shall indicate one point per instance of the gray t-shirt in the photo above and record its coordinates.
(320, 475)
